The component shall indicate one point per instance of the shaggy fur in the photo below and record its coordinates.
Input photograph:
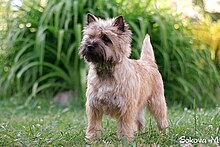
(116, 85)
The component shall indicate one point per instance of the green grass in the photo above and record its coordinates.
(42, 123)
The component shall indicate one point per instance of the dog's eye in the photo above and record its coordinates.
(105, 38)
(91, 36)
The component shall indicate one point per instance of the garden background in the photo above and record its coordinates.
(43, 80)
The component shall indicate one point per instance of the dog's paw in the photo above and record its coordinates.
(93, 135)
(123, 137)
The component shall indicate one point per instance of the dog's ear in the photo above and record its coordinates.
(119, 22)
(90, 18)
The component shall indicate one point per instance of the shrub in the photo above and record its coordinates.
(208, 33)
(188, 72)
(46, 45)
(42, 47)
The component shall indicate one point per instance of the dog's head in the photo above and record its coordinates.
(105, 40)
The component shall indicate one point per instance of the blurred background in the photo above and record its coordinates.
(39, 43)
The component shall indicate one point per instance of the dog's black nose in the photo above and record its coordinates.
(90, 48)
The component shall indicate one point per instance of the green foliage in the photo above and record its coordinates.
(45, 55)
(42, 47)
(188, 73)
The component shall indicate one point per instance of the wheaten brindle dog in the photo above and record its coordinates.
(116, 85)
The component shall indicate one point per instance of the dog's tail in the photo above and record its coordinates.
(147, 52)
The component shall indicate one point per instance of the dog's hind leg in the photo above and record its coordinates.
(141, 119)
(158, 108)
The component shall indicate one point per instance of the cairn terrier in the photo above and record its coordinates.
(116, 85)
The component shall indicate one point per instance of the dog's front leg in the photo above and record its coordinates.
(94, 117)
(126, 125)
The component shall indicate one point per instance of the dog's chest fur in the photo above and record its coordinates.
(112, 95)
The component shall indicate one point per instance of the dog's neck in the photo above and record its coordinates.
(104, 70)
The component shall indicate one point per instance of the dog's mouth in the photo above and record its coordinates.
(95, 56)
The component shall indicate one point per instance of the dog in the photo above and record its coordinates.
(117, 86)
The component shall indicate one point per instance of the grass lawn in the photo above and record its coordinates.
(42, 123)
